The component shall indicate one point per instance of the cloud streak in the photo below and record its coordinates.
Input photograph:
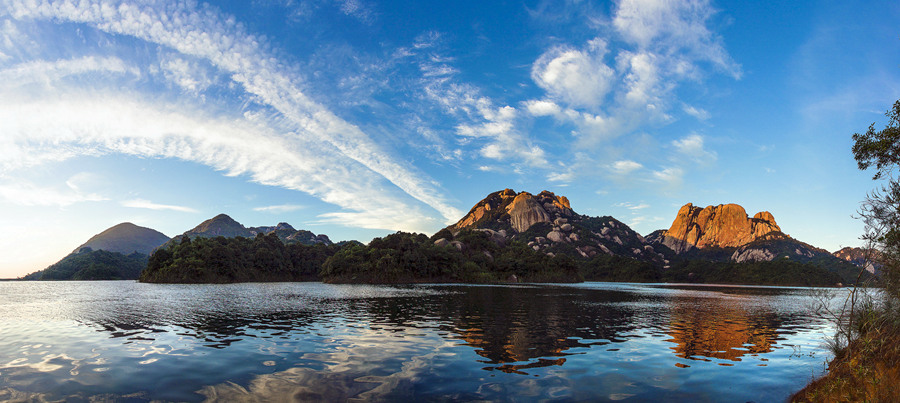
(281, 208)
(146, 204)
(304, 127)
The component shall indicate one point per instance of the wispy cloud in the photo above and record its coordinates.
(632, 206)
(674, 27)
(494, 130)
(609, 93)
(281, 208)
(302, 132)
(27, 194)
(49, 72)
(146, 204)
(624, 167)
(692, 147)
(670, 175)
(696, 112)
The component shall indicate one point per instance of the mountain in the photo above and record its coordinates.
(88, 264)
(125, 238)
(118, 253)
(220, 225)
(225, 226)
(725, 233)
(547, 223)
(860, 257)
(722, 226)
(221, 250)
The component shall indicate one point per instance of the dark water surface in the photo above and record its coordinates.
(126, 341)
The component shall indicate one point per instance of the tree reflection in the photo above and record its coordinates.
(517, 328)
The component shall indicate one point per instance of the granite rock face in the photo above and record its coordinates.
(547, 223)
(520, 210)
(722, 226)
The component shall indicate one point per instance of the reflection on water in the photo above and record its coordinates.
(311, 341)
(723, 330)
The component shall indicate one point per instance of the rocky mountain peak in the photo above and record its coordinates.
(723, 226)
(520, 210)
(284, 226)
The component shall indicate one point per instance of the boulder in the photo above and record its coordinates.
(556, 236)
(442, 242)
(752, 255)
(566, 227)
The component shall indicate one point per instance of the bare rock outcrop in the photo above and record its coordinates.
(752, 255)
(520, 210)
(525, 211)
(723, 226)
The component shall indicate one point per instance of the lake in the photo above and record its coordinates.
(127, 341)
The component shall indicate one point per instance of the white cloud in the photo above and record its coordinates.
(566, 176)
(281, 208)
(146, 204)
(48, 72)
(666, 44)
(624, 167)
(358, 9)
(505, 143)
(698, 113)
(186, 74)
(643, 86)
(670, 175)
(543, 108)
(27, 194)
(632, 206)
(200, 31)
(674, 27)
(692, 147)
(100, 125)
(578, 77)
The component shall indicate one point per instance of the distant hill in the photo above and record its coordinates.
(860, 257)
(225, 226)
(118, 253)
(90, 264)
(126, 238)
(221, 250)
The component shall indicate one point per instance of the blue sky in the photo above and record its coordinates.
(358, 118)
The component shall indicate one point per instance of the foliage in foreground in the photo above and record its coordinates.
(866, 366)
(89, 264)
(231, 260)
(868, 370)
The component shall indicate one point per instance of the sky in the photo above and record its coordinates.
(359, 118)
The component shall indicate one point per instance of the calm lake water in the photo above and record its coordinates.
(126, 341)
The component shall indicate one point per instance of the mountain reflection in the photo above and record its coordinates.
(723, 329)
(531, 328)
(512, 329)
(313, 341)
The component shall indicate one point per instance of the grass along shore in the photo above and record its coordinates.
(867, 370)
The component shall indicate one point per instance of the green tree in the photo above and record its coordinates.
(881, 210)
